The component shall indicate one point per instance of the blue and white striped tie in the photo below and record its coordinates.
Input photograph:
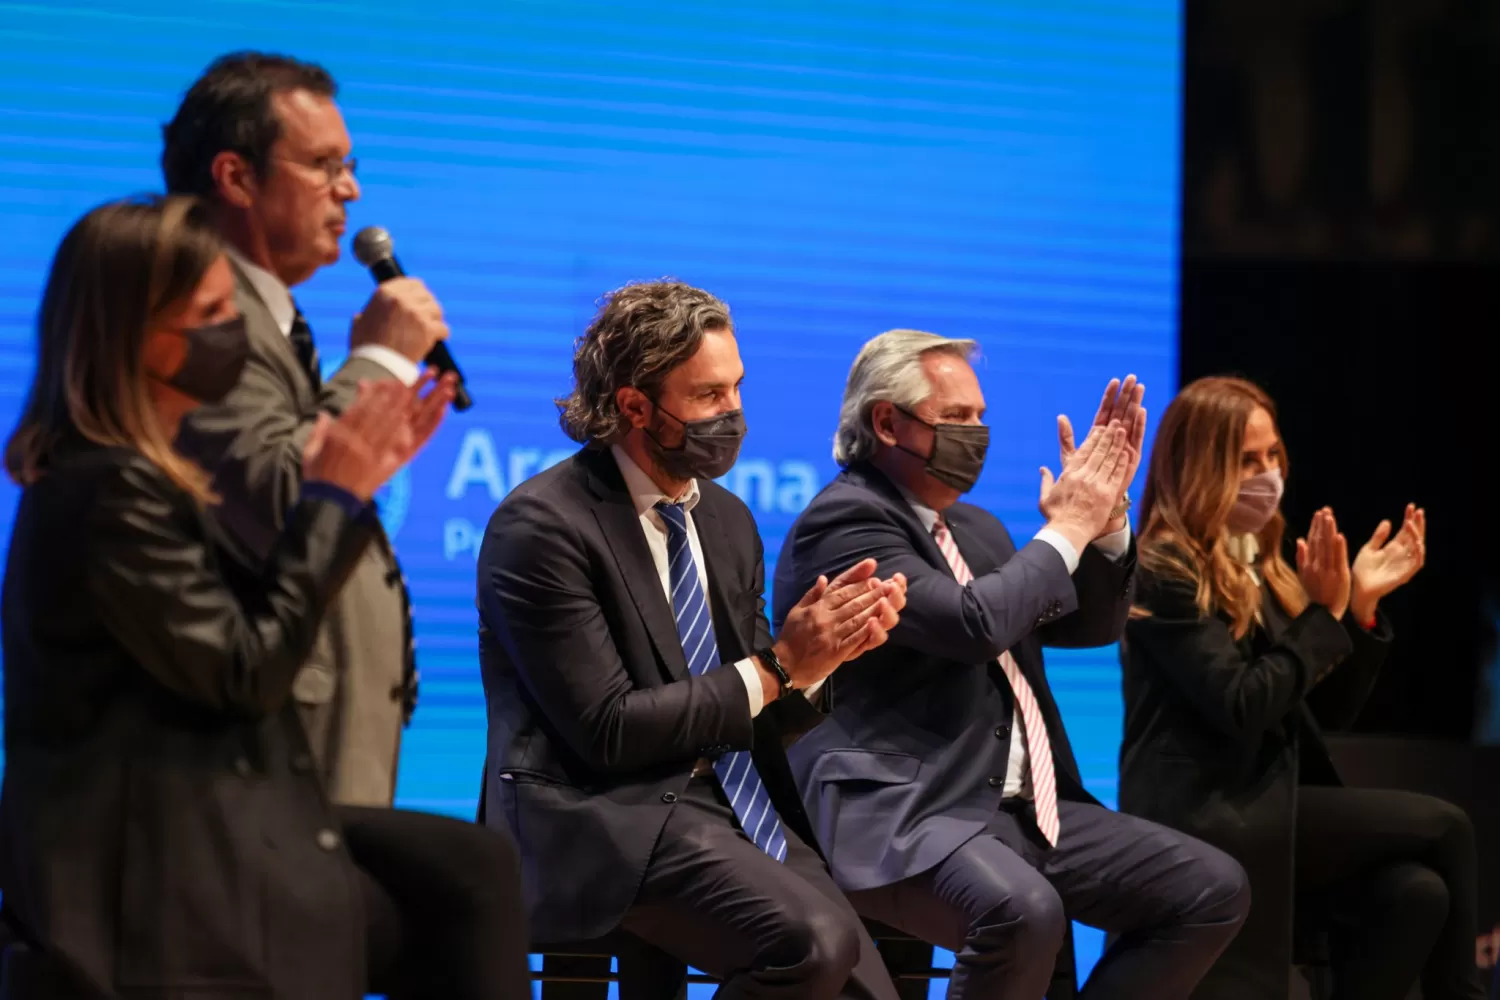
(695, 627)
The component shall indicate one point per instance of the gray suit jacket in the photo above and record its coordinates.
(912, 760)
(352, 691)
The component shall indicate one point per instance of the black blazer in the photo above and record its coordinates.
(912, 760)
(162, 832)
(594, 720)
(1219, 732)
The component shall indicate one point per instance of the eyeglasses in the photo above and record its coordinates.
(333, 169)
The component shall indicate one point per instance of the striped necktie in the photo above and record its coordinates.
(1038, 747)
(695, 628)
(307, 352)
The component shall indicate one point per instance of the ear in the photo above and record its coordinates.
(634, 405)
(883, 422)
(234, 179)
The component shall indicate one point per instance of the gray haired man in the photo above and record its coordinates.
(943, 781)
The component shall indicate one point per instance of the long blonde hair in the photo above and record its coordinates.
(116, 272)
(1190, 489)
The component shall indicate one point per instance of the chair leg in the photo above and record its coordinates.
(576, 965)
(905, 956)
(648, 973)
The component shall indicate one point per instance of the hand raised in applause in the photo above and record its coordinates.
(1122, 402)
(1385, 563)
(1077, 506)
(1323, 564)
(382, 430)
(838, 620)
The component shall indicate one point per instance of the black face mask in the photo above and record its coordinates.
(958, 452)
(709, 446)
(216, 356)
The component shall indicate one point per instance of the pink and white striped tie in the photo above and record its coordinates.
(1038, 748)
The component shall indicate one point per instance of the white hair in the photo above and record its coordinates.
(887, 369)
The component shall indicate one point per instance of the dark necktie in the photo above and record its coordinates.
(307, 352)
(747, 795)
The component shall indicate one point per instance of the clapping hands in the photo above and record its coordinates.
(1323, 564)
(1096, 473)
(1385, 563)
(1382, 564)
(382, 430)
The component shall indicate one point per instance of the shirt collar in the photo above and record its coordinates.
(269, 289)
(644, 492)
(924, 513)
(1242, 548)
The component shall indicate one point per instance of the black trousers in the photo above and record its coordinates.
(1393, 877)
(443, 907)
(714, 900)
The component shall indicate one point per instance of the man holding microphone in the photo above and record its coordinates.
(260, 139)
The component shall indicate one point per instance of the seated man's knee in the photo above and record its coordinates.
(1030, 924)
(822, 944)
(1229, 886)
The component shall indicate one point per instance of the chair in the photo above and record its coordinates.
(909, 962)
(581, 971)
(1310, 959)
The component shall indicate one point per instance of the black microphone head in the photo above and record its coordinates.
(372, 245)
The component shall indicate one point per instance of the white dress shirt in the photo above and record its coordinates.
(278, 300)
(645, 494)
(1114, 546)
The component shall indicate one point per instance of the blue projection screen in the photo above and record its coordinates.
(994, 169)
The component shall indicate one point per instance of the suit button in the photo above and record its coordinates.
(669, 798)
(302, 763)
(1000, 733)
(996, 782)
(242, 766)
(328, 840)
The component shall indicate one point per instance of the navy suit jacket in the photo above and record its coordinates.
(911, 762)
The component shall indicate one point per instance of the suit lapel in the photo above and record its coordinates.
(261, 326)
(621, 527)
(718, 560)
(875, 480)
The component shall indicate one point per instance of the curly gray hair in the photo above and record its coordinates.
(640, 333)
(887, 369)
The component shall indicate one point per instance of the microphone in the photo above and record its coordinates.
(374, 249)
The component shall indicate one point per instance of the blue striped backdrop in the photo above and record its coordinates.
(993, 169)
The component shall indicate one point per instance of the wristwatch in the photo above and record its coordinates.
(1121, 508)
(772, 662)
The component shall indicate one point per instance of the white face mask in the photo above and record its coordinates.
(1259, 499)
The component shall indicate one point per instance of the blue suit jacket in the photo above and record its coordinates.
(911, 761)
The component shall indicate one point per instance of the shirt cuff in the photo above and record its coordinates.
(1115, 544)
(1062, 545)
(319, 490)
(811, 691)
(398, 364)
(750, 674)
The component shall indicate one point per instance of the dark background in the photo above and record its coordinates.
(1341, 247)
